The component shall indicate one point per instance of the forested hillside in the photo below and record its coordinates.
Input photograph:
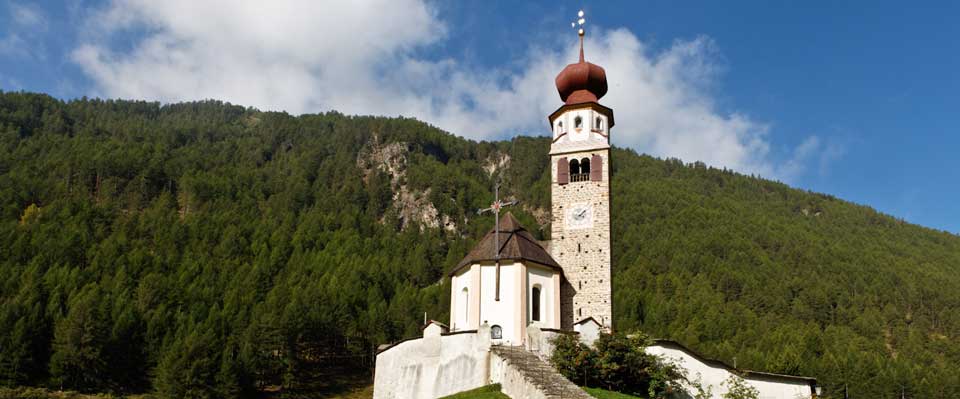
(206, 250)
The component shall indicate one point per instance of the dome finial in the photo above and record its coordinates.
(580, 32)
(581, 82)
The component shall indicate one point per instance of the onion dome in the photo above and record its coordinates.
(581, 82)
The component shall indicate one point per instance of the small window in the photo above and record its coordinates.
(574, 167)
(496, 332)
(560, 127)
(577, 122)
(585, 166)
(464, 305)
(598, 123)
(535, 302)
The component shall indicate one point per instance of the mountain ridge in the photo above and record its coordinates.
(206, 247)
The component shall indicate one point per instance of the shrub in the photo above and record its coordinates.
(616, 362)
(737, 388)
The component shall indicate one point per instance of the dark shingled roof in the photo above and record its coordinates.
(515, 244)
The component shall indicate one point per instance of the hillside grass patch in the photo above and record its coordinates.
(600, 393)
(487, 392)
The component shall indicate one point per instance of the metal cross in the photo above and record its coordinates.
(495, 208)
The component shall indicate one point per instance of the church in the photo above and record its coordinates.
(512, 294)
(517, 281)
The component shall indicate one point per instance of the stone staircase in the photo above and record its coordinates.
(540, 378)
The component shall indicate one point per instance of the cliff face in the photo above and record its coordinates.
(413, 207)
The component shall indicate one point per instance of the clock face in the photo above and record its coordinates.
(579, 216)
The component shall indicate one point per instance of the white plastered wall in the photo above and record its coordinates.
(589, 120)
(714, 376)
(538, 276)
(433, 366)
(459, 311)
(502, 312)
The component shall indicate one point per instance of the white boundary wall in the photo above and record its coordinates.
(713, 376)
(440, 364)
(433, 366)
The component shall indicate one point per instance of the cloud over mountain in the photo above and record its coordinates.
(368, 57)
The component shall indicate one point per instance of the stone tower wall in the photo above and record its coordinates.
(583, 253)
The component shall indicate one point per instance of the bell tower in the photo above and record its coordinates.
(580, 192)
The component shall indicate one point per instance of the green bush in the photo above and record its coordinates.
(737, 388)
(617, 362)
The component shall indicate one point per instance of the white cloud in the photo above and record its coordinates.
(365, 57)
(13, 45)
(28, 16)
(274, 55)
(21, 38)
(801, 156)
(813, 149)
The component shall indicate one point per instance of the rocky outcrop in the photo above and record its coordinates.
(495, 162)
(413, 207)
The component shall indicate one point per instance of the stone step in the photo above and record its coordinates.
(540, 374)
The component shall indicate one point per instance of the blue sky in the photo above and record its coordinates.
(855, 99)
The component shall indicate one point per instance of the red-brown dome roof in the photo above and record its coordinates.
(581, 82)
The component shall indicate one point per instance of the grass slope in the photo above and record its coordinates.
(605, 394)
(487, 392)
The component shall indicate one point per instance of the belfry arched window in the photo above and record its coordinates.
(577, 170)
(598, 123)
(535, 303)
(578, 122)
(559, 127)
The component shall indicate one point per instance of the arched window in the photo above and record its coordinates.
(578, 122)
(496, 332)
(535, 303)
(560, 127)
(579, 171)
(464, 308)
(598, 123)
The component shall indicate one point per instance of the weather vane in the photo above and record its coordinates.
(580, 21)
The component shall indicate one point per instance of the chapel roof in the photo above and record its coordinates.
(515, 244)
